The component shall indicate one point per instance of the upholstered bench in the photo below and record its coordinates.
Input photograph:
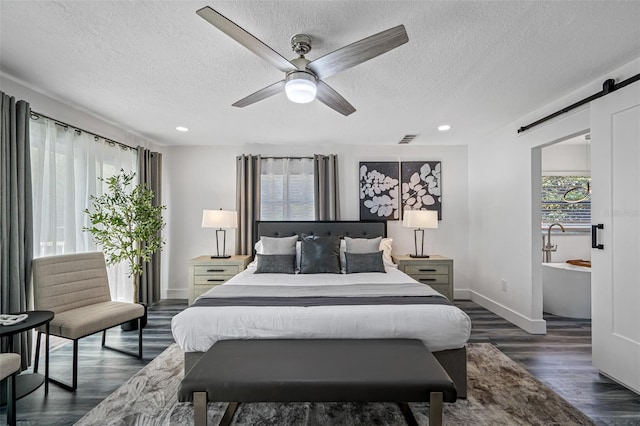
(330, 370)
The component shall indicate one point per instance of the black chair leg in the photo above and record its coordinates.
(140, 337)
(122, 351)
(74, 382)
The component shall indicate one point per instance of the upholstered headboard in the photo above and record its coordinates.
(348, 228)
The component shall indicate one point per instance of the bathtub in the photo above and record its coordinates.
(566, 290)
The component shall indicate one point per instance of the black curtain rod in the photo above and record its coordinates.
(286, 158)
(35, 115)
(607, 87)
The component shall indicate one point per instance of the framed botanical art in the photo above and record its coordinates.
(422, 186)
(379, 190)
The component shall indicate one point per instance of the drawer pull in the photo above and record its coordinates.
(215, 280)
(427, 270)
(428, 279)
(215, 270)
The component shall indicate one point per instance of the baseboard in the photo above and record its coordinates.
(529, 325)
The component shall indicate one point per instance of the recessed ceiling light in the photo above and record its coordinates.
(182, 129)
(444, 127)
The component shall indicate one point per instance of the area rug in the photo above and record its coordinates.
(500, 393)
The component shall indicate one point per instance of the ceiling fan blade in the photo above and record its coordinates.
(358, 52)
(236, 32)
(333, 99)
(261, 94)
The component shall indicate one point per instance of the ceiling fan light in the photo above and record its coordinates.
(300, 87)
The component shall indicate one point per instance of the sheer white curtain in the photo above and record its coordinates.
(65, 166)
(286, 189)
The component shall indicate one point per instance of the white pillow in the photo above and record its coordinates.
(260, 250)
(362, 245)
(385, 246)
(282, 245)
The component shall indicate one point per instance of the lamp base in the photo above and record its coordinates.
(221, 257)
(419, 256)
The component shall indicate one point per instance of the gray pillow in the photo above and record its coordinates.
(282, 245)
(362, 245)
(319, 255)
(364, 262)
(276, 264)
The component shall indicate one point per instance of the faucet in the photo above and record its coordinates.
(547, 247)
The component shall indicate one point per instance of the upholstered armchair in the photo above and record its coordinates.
(9, 368)
(76, 288)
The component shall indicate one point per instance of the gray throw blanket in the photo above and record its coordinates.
(338, 295)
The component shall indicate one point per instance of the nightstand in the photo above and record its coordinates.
(205, 272)
(437, 271)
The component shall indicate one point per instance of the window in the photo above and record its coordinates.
(287, 189)
(65, 166)
(567, 200)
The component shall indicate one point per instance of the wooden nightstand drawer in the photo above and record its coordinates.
(211, 279)
(412, 269)
(431, 279)
(216, 270)
(200, 289)
(442, 289)
(435, 271)
(206, 272)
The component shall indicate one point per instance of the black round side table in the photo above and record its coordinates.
(27, 383)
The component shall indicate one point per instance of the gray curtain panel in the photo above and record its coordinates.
(327, 203)
(150, 173)
(16, 216)
(247, 200)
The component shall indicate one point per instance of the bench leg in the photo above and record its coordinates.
(228, 414)
(200, 408)
(435, 409)
(408, 414)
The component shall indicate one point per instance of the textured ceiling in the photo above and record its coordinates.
(149, 66)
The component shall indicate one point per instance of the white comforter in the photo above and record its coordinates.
(440, 327)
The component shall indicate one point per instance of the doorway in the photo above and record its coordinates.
(565, 227)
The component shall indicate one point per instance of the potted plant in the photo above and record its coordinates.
(126, 225)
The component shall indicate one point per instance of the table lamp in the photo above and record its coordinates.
(421, 220)
(220, 219)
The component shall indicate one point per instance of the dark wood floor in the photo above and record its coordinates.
(561, 359)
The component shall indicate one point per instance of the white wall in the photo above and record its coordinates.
(204, 178)
(505, 240)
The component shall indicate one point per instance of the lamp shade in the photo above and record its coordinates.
(300, 87)
(219, 219)
(420, 219)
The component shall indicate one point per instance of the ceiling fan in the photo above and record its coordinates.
(304, 79)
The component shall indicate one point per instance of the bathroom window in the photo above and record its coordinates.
(567, 200)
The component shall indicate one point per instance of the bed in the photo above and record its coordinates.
(364, 305)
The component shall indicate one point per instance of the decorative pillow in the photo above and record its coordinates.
(276, 264)
(364, 262)
(259, 250)
(358, 245)
(386, 247)
(283, 245)
(362, 245)
(319, 255)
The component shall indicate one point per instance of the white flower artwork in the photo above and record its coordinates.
(379, 190)
(421, 186)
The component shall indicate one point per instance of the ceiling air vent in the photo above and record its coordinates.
(407, 139)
